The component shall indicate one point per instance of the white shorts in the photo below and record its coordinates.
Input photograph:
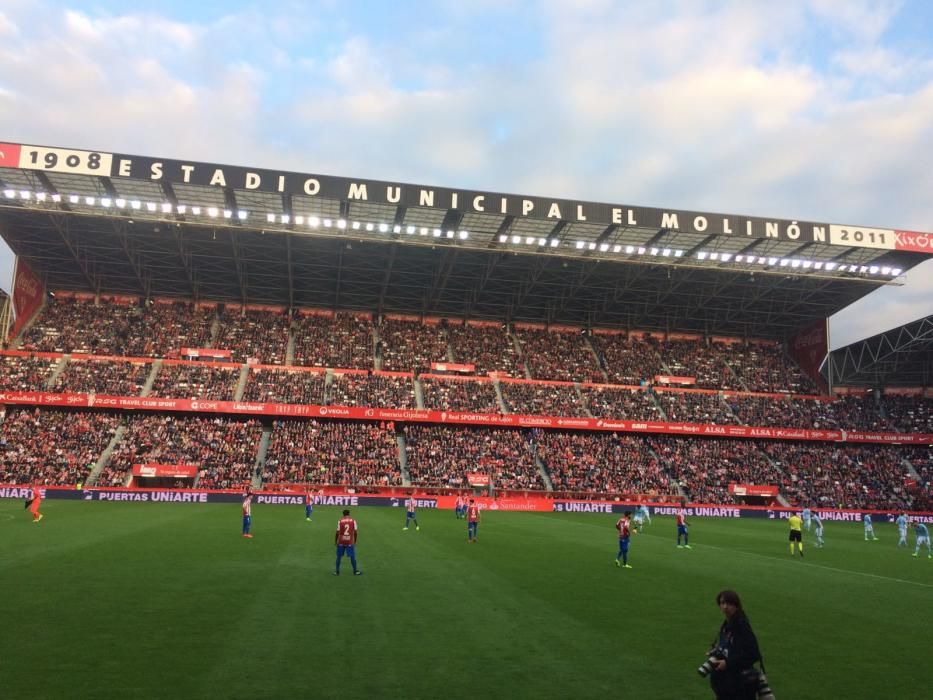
(923, 540)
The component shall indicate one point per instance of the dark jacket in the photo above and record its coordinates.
(739, 643)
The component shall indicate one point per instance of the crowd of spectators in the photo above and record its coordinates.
(444, 456)
(542, 399)
(909, 414)
(921, 459)
(25, 372)
(835, 475)
(377, 390)
(103, 377)
(196, 381)
(488, 349)
(223, 449)
(629, 361)
(459, 395)
(624, 404)
(812, 414)
(697, 358)
(559, 356)
(704, 468)
(694, 407)
(768, 369)
(285, 386)
(343, 341)
(854, 412)
(52, 447)
(161, 329)
(406, 346)
(262, 335)
(80, 325)
(333, 452)
(608, 463)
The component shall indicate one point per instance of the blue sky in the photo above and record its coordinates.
(819, 110)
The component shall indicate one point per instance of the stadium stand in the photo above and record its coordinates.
(260, 334)
(196, 380)
(489, 348)
(541, 398)
(372, 389)
(459, 394)
(909, 414)
(706, 362)
(443, 456)
(344, 341)
(223, 449)
(560, 356)
(332, 452)
(612, 465)
(694, 407)
(616, 402)
(25, 372)
(285, 386)
(103, 377)
(629, 361)
(407, 346)
(52, 447)
(766, 368)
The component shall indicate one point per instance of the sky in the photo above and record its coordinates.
(813, 110)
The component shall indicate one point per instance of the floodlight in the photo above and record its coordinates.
(886, 270)
(270, 218)
(56, 197)
(739, 258)
(863, 269)
(134, 204)
(831, 265)
(591, 246)
(466, 234)
(355, 225)
(212, 212)
(580, 245)
(150, 206)
(283, 218)
(666, 252)
(450, 234)
(641, 251)
(629, 249)
(196, 211)
(616, 248)
(502, 237)
(785, 262)
(71, 198)
(241, 215)
(182, 208)
(383, 228)
(25, 194)
(896, 271)
(714, 256)
(299, 220)
(89, 201)
(341, 223)
(554, 242)
(436, 233)
(603, 247)
(369, 227)
(725, 257)
(807, 264)
(120, 202)
(423, 231)
(529, 240)
(104, 201)
(166, 207)
(10, 194)
(541, 241)
(678, 253)
(411, 229)
(654, 251)
(818, 264)
(396, 229)
(40, 196)
(516, 239)
(873, 269)
(795, 263)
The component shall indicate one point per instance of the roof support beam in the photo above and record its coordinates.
(291, 281)
(88, 269)
(239, 264)
(390, 263)
(186, 260)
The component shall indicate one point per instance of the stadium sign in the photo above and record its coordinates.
(159, 170)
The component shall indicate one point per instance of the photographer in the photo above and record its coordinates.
(730, 678)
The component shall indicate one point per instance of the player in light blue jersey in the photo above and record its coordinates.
(901, 530)
(923, 538)
(869, 528)
(644, 512)
(806, 514)
(818, 529)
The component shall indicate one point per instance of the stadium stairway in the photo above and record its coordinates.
(542, 470)
(738, 380)
(377, 352)
(150, 380)
(104, 458)
(261, 453)
(290, 348)
(241, 383)
(653, 397)
(520, 351)
(403, 458)
(419, 394)
(450, 351)
(215, 330)
(328, 383)
(59, 368)
(910, 470)
(583, 402)
(599, 362)
(503, 407)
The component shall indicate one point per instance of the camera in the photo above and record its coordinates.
(758, 678)
(715, 654)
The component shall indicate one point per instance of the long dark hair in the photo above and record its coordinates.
(732, 598)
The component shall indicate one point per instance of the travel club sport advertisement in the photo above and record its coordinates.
(510, 504)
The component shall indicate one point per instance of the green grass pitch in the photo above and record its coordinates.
(113, 600)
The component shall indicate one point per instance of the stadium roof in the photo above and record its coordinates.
(902, 356)
(102, 222)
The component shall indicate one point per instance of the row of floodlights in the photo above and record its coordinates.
(798, 263)
(132, 204)
(343, 224)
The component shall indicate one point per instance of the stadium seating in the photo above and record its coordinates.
(407, 346)
(629, 361)
(909, 414)
(459, 395)
(103, 377)
(52, 447)
(489, 349)
(285, 386)
(706, 362)
(694, 407)
(25, 373)
(258, 334)
(611, 464)
(559, 356)
(443, 456)
(223, 449)
(332, 452)
(196, 381)
(767, 368)
(614, 402)
(542, 398)
(380, 390)
(344, 341)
